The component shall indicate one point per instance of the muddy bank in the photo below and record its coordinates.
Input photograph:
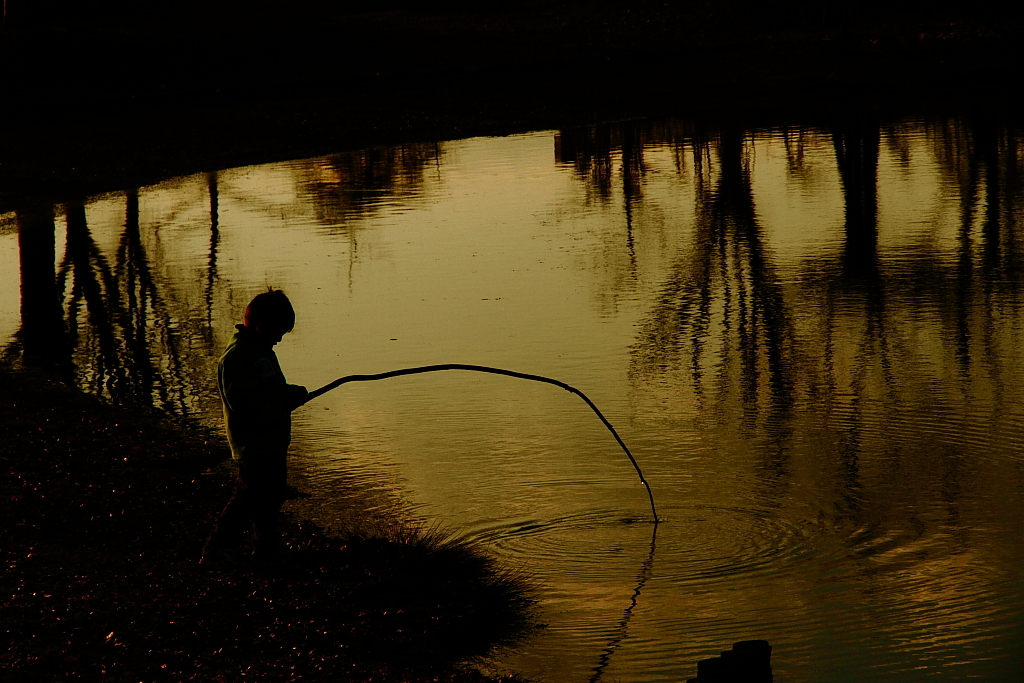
(113, 100)
(104, 517)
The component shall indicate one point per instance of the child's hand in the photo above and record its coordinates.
(296, 396)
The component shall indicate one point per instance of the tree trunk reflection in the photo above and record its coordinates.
(43, 335)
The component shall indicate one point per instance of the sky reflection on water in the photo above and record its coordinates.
(809, 336)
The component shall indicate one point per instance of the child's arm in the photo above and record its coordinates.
(257, 387)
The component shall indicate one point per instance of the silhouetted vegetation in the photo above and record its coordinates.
(157, 89)
(735, 12)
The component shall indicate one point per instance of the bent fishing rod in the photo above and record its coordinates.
(494, 371)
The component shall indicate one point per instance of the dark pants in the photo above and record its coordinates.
(256, 504)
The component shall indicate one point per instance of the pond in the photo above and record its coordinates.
(810, 336)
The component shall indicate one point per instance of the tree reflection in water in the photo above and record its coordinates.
(840, 335)
(723, 298)
(42, 339)
(724, 313)
(138, 338)
(350, 185)
(127, 349)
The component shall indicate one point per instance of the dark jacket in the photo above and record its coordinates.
(257, 400)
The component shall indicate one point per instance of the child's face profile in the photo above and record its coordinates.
(271, 334)
(269, 316)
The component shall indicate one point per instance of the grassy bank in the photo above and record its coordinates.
(104, 517)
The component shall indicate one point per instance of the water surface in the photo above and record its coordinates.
(809, 336)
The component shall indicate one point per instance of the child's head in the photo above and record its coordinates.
(270, 314)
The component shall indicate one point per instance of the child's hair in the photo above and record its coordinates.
(270, 309)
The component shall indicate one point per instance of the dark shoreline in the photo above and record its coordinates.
(105, 515)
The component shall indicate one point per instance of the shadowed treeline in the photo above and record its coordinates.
(802, 11)
(203, 48)
(152, 90)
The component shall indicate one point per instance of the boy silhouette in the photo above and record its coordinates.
(258, 403)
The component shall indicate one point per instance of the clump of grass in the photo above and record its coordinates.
(429, 595)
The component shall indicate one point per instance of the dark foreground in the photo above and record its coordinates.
(104, 516)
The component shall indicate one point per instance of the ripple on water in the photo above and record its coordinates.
(712, 543)
(694, 545)
(567, 539)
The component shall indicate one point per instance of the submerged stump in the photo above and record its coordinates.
(749, 661)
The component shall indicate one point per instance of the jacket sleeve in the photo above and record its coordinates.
(257, 387)
(296, 395)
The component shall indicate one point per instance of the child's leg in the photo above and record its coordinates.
(267, 483)
(233, 520)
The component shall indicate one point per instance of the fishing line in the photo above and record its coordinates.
(494, 371)
(623, 626)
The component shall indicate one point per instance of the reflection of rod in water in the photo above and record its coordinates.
(495, 371)
(623, 625)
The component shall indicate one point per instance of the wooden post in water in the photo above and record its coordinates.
(749, 661)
